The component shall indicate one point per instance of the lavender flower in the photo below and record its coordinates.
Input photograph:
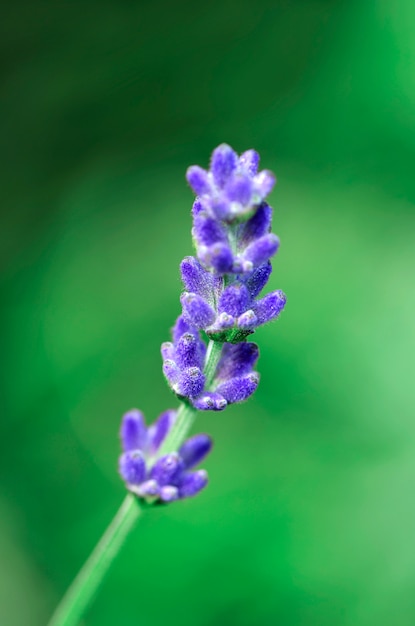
(184, 363)
(236, 248)
(211, 306)
(234, 245)
(221, 302)
(232, 188)
(231, 232)
(160, 478)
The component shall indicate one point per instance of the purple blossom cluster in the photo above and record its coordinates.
(217, 307)
(184, 362)
(160, 478)
(234, 244)
(232, 187)
(222, 303)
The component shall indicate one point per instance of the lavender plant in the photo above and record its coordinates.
(209, 363)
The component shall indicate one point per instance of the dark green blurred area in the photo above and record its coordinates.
(310, 514)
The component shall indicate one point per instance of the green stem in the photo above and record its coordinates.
(83, 588)
(80, 593)
(213, 355)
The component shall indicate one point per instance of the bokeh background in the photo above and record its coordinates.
(310, 514)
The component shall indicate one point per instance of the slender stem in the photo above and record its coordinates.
(80, 593)
(83, 588)
(185, 417)
(213, 355)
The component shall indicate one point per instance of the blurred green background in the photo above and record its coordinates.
(310, 514)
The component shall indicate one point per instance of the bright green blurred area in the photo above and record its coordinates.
(310, 514)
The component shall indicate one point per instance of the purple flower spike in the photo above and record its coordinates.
(163, 478)
(209, 363)
(234, 245)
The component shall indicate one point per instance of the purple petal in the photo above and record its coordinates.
(219, 256)
(195, 278)
(198, 179)
(210, 401)
(166, 468)
(239, 389)
(262, 249)
(269, 307)
(224, 161)
(258, 225)
(258, 279)
(249, 161)
(196, 310)
(239, 188)
(264, 183)
(190, 351)
(171, 371)
(195, 449)
(180, 328)
(208, 231)
(237, 360)
(169, 493)
(132, 467)
(160, 429)
(133, 431)
(234, 300)
(192, 482)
